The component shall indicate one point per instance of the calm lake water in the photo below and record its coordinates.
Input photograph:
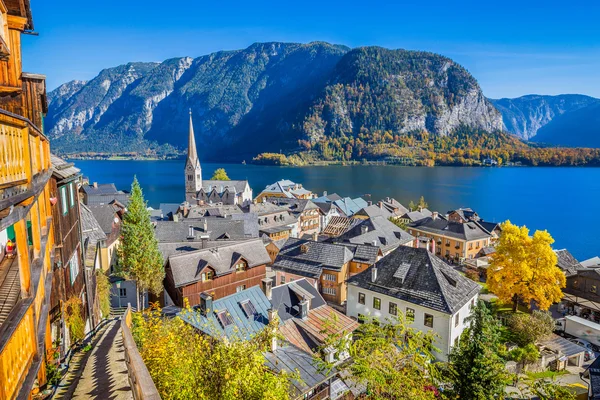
(565, 201)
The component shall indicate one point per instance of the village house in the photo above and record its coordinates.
(245, 314)
(199, 191)
(70, 277)
(465, 215)
(388, 208)
(276, 222)
(285, 189)
(307, 214)
(26, 221)
(581, 296)
(454, 241)
(104, 193)
(414, 216)
(376, 231)
(346, 206)
(326, 266)
(217, 271)
(430, 294)
(109, 217)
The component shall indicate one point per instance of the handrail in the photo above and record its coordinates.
(140, 380)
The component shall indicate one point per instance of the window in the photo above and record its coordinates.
(376, 303)
(73, 268)
(456, 319)
(470, 246)
(240, 288)
(477, 244)
(71, 195)
(393, 309)
(447, 253)
(447, 242)
(329, 291)
(248, 308)
(122, 292)
(361, 298)
(207, 276)
(428, 321)
(410, 314)
(329, 277)
(240, 266)
(224, 318)
(282, 279)
(593, 289)
(63, 200)
(575, 284)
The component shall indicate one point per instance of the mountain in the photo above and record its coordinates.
(579, 128)
(525, 116)
(267, 97)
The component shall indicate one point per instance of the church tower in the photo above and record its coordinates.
(193, 172)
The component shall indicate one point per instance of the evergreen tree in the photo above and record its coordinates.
(139, 257)
(477, 371)
(412, 206)
(422, 203)
(220, 175)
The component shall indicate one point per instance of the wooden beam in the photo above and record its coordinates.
(23, 257)
(36, 228)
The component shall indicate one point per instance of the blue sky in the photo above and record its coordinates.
(544, 47)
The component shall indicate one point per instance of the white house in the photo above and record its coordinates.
(415, 282)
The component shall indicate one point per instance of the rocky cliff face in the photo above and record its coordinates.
(266, 98)
(525, 116)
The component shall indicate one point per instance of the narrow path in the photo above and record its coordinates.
(101, 373)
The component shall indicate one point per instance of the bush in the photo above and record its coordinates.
(472, 274)
(531, 328)
(73, 310)
(103, 290)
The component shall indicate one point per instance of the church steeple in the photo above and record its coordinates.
(193, 172)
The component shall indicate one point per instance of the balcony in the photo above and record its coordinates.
(10, 287)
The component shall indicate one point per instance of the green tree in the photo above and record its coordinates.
(525, 355)
(422, 203)
(530, 328)
(139, 257)
(187, 365)
(394, 361)
(412, 206)
(477, 371)
(103, 292)
(220, 175)
(545, 389)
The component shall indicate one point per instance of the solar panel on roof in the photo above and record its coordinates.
(248, 308)
(225, 318)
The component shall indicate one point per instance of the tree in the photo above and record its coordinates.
(186, 365)
(477, 371)
(422, 203)
(530, 328)
(139, 257)
(525, 355)
(524, 268)
(103, 292)
(393, 360)
(544, 389)
(220, 175)
(73, 311)
(412, 206)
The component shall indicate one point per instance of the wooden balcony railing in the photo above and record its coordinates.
(24, 150)
(17, 338)
(321, 394)
(140, 380)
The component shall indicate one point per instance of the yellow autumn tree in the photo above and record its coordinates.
(524, 268)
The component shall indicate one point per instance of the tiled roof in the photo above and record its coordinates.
(294, 205)
(91, 232)
(170, 249)
(328, 198)
(441, 226)
(102, 188)
(567, 262)
(187, 267)
(321, 254)
(232, 186)
(364, 253)
(377, 231)
(593, 374)
(62, 169)
(105, 215)
(415, 216)
(217, 228)
(243, 326)
(214, 210)
(428, 282)
(286, 301)
(593, 262)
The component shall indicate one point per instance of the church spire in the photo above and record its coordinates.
(192, 154)
(193, 172)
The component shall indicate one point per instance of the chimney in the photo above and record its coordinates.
(369, 203)
(272, 314)
(315, 236)
(374, 273)
(190, 232)
(304, 306)
(205, 303)
(205, 225)
(267, 286)
(380, 204)
(95, 185)
(434, 215)
(364, 229)
(433, 246)
(388, 200)
(324, 193)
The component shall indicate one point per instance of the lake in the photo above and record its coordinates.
(565, 201)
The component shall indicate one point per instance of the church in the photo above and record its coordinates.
(204, 192)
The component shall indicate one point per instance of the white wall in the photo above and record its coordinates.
(443, 324)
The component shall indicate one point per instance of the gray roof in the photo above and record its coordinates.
(169, 208)
(350, 206)
(428, 280)
(187, 267)
(217, 228)
(375, 210)
(286, 298)
(62, 169)
(593, 374)
(243, 326)
(415, 216)
(102, 188)
(91, 232)
(168, 249)
(105, 215)
(593, 262)
(363, 253)
(303, 253)
(561, 345)
(250, 223)
(441, 226)
(294, 205)
(567, 262)
(220, 210)
(232, 186)
(379, 232)
(293, 360)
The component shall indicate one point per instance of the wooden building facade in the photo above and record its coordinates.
(26, 225)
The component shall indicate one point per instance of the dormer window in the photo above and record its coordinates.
(224, 318)
(207, 275)
(240, 266)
